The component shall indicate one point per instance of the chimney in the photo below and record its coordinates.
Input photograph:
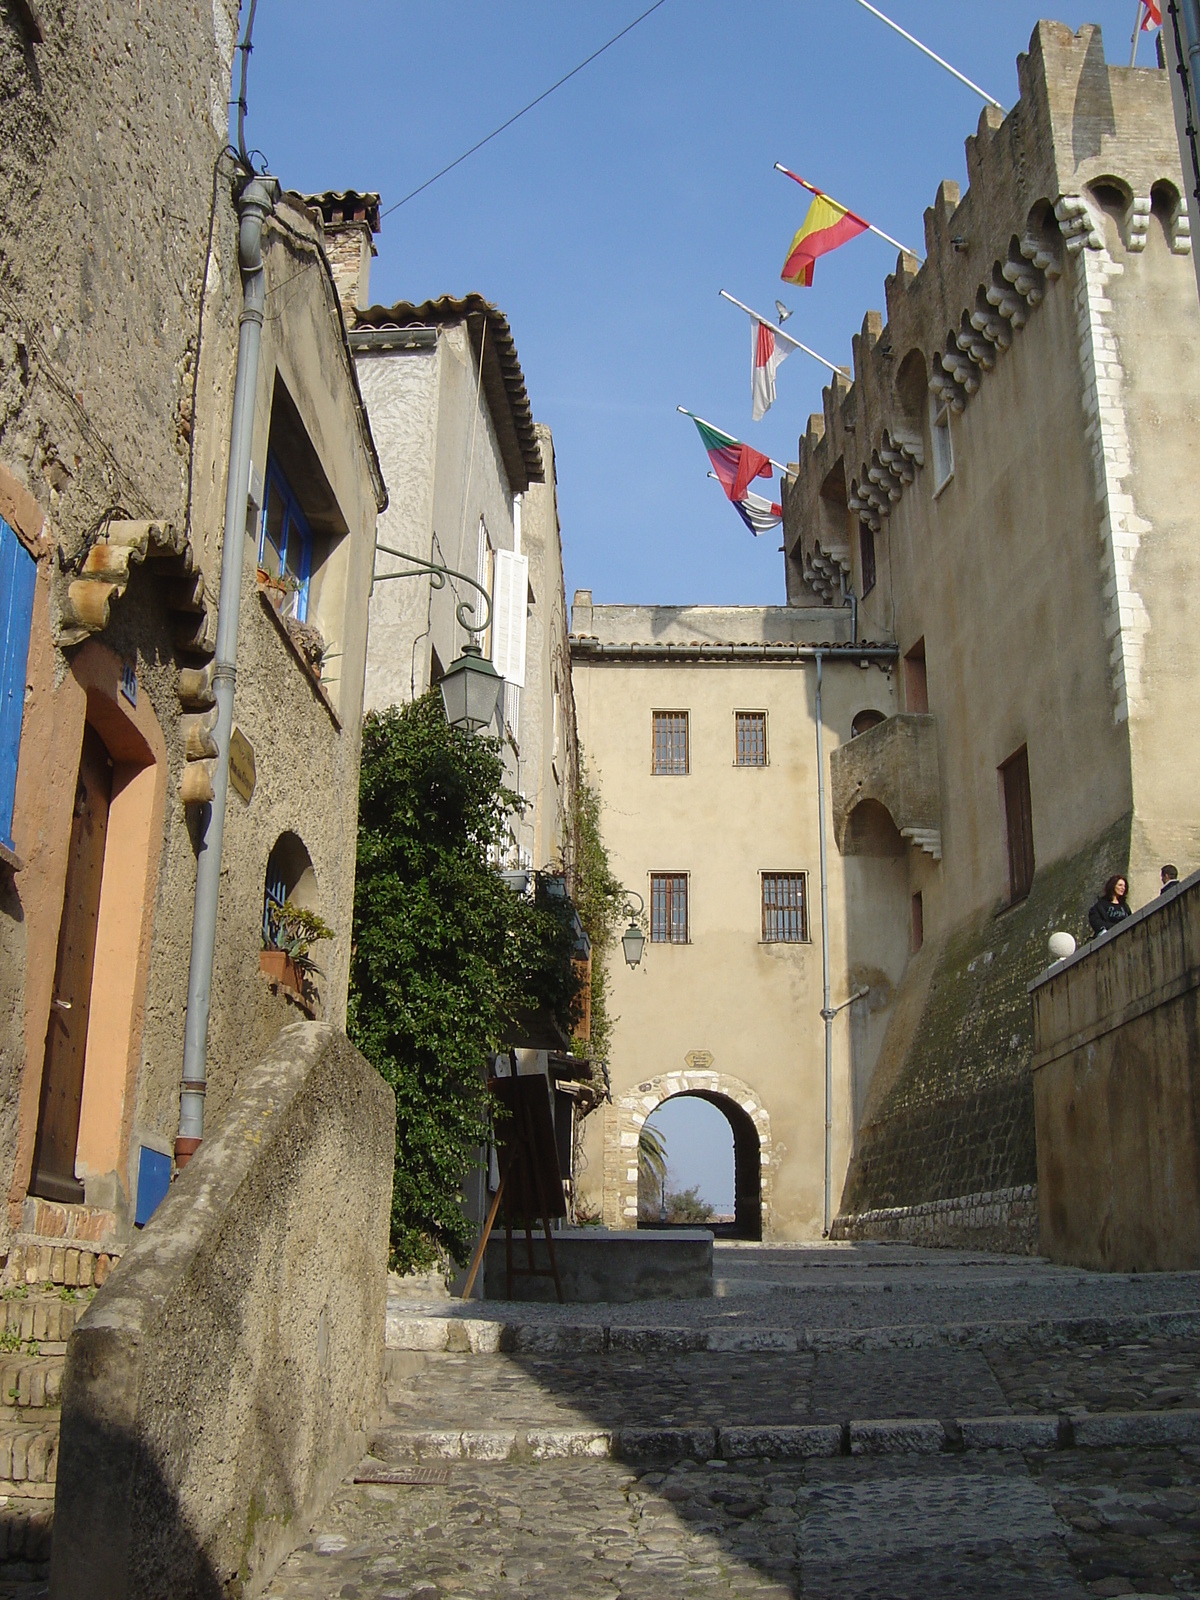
(350, 220)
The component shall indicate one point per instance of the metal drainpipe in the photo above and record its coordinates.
(254, 205)
(827, 1013)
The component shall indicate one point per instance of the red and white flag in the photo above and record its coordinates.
(766, 355)
(1151, 14)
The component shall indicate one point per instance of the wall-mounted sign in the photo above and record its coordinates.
(699, 1060)
(242, 774)
(129, 682)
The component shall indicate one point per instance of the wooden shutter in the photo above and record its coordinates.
(1018, 816)
(18, 575)
(509, 615)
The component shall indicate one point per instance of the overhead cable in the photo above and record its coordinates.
(517, 115)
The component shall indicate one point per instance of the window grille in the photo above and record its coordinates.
(784, 908)
(670, 744)
(274, 900)
(751, 738)
(285, 542)
(668, 908)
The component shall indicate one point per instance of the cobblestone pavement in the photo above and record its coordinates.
(1063, 1522)
(839, 1286)
(1061, 1526)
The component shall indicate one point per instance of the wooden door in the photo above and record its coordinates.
(66, 1034)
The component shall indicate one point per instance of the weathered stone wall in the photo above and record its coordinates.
(1115, 1080)
(108, 134)
(950, 1111)
(1005, 1220)
(219, 1384)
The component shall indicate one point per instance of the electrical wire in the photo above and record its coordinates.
(516, 117)
(245, 47)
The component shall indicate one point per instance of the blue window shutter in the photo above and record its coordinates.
(18, 574)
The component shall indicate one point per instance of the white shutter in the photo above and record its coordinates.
(510, 588)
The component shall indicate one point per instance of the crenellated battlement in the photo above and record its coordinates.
(1084, 138)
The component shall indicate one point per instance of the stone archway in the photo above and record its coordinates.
(746, 1115)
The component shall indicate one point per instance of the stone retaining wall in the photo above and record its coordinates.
(1004, 1220)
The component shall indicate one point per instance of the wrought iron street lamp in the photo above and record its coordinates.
(633, 940)
(471, 687)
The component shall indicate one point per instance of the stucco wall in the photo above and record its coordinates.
(306, 750)
(547, 736)
(753, 1007)
(400, 389)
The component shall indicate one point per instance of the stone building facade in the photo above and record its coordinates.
(698, 726)
(120, 297)
(1003, 486)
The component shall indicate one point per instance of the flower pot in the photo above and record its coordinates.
(280, 968)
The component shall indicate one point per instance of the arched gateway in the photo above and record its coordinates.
(751, 1145)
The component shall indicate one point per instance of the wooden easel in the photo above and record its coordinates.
(520, 1176)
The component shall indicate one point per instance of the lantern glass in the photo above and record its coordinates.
(633, 941)
(471, 690)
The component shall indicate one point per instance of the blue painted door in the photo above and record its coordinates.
(18, 573)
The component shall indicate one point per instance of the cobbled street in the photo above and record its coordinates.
(850, 1420)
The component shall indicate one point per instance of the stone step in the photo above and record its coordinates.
(480, 1335)
(865, 1437)
(31, 1383)
(25, 1530)
(28, 1453)
(45, 1318)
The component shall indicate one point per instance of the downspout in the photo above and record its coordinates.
(254, 204)
(827, 1012)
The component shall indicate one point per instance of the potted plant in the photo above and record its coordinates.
(289, 932)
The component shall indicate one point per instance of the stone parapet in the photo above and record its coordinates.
(1116, 1073)
(222, 1380)
(1004, 1220)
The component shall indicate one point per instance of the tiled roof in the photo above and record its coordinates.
(345, 205)
(503, 380)
(588, 646)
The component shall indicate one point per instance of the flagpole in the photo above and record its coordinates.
(779, 334)
(870, 226)
(1137, 28)
(778, 465)
(925, 50)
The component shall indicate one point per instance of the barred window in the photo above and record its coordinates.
(668, 908)
(670, 744)
(751, 738)
(784, 908)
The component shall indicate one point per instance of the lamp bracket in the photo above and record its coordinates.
(465, 609)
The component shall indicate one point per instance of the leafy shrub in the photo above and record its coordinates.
(444, 954)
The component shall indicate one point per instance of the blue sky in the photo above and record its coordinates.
(605, 222)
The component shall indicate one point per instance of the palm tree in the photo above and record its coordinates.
(652, 1159)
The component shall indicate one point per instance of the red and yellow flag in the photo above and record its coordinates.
(826, 226)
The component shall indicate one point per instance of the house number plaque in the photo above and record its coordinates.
(242, 774)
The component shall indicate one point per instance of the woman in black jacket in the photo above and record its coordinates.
(1112, 907)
